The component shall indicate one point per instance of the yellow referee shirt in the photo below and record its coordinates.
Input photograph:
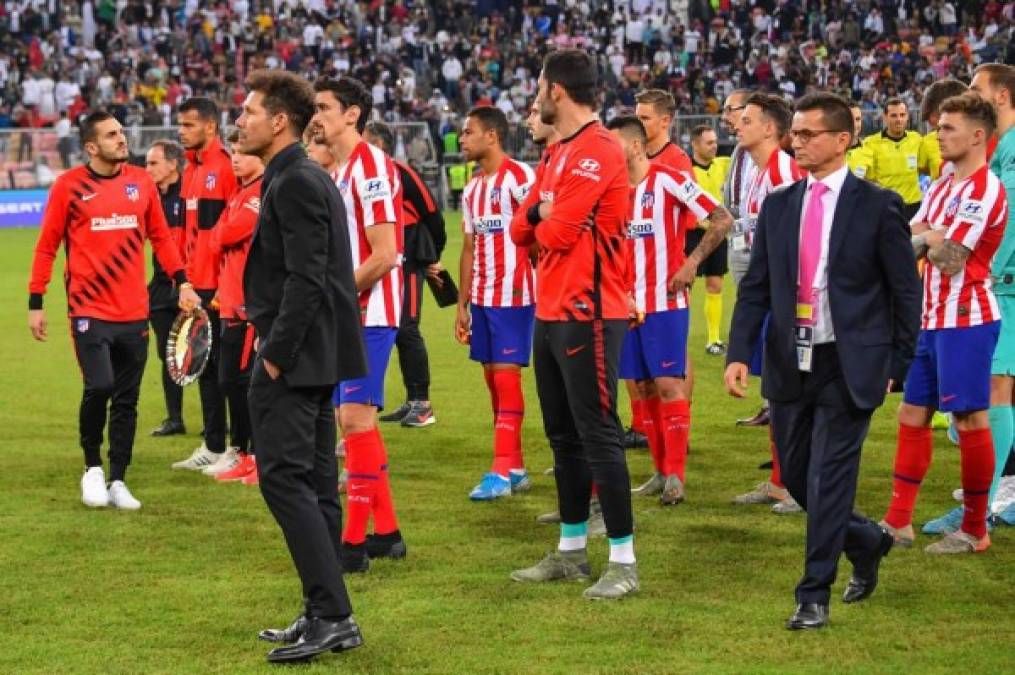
(712, 177)
(895, 164)
(930, 152)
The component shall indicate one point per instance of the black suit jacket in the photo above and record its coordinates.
(873, 292)
(298, 283)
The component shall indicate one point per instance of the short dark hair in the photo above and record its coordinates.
(836, 112)
(575, 70)
(630, 125)
(774, 108)
(489, 118)
(348, 92)
(287, 93)
(660, 99)
(1000, 76)
(205, 108)
(87, 125)
(383, 133)
(937, 93)
(171, 150)
(894, 100)
(977, 110)
(699, 131)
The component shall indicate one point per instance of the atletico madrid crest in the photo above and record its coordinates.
(133, 194)
(209, 181)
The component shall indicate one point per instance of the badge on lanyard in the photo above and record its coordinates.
(804, 347)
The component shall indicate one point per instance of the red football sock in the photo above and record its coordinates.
(507, 447)
(676, 416)
(776, 476)
(637, 415)
(977, 448)
(488, 376)
(912, 459)
(385, 521)
(654, 430)
(362, 462)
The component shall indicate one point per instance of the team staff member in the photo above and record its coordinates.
(368, 183)
(656, 109)
(655, 351)
(103, 212)
(424, 237)
(959, 228)
(163, 164)
(496, 313)
(710, 173)
(208, 185)
(231, 244)
(301, 297)
(895, 157)
(576, 215)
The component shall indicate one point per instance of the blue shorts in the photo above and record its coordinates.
(758, 357)
(369, 390)
(951, 369)
(502, 334)
(657, 348)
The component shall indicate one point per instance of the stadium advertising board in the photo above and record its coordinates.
(22, 208)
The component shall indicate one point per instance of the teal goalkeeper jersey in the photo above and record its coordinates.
(1003, 166)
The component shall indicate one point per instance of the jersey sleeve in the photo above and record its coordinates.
(376, 195)
(467, 227)
(522, 233)
(972, 218)
(52, 232)
(691, 196)
(239, 227)
(929, 157)
(866, 162)
(522, 186)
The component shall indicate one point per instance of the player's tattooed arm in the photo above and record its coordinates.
(948, 256)
(719, 223)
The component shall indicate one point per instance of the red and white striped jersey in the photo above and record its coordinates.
(502, 275)
(656, 229)
(780, 170)
(373, 194)
(973, 213)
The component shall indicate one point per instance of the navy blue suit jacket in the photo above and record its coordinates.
(874, 292)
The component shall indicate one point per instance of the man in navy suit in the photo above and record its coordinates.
(833, 263)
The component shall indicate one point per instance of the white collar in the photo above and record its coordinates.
(832, 181)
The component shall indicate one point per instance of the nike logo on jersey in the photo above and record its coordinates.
(350, 390)
(510, 351)
(571, 351)
(949, 397)
(85, 198)
(669, 364)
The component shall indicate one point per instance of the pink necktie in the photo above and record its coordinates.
(810, 246)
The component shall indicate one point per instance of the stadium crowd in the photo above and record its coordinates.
(435, 60)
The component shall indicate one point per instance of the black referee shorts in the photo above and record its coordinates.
(717, 263)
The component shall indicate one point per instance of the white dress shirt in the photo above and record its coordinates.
(824, 332)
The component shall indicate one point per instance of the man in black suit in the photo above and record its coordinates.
(836, 342)
(301, 298)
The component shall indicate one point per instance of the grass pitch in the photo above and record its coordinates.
(184, 585)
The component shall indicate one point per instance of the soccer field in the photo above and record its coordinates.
(184, 585)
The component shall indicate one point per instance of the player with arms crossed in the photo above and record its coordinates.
(498, 311)
(103, 212)
(654, 354)
(958, 228)
(368, 182)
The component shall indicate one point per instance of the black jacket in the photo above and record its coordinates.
(162, 292)
(874, 292)
(298, 282)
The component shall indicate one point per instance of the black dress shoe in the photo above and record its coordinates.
(354, 558)
(286, 635)
(170, 427)
(863, 582)
(386, 546)
(808, 615)
(634, 439)
(760, 419)
(320, 636)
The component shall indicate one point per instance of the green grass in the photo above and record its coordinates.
(184, 585)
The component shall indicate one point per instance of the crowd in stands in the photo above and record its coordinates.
(433, 60)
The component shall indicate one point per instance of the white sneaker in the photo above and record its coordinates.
(224, 462)
(198, 459)
(121, 498)
(93, 488)
(1005, 494)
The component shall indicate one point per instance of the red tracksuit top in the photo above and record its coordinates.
(230, 244)
(103, 222)
(582, 270)
(208, 185)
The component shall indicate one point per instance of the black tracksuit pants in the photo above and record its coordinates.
(112, 357)
(576, 378)
(162, 322)
(213, 403)
(412, 357)
(236, 357)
